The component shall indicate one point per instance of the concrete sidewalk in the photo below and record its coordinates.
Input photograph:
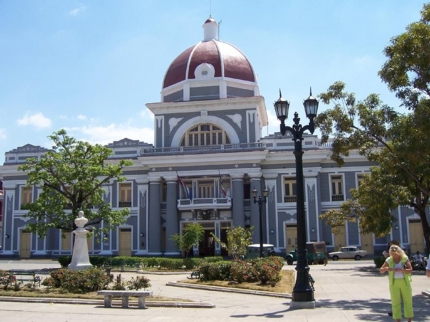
(344, 291)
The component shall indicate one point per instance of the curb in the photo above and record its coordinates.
(426, 293)
(229, 289)
(101, 302)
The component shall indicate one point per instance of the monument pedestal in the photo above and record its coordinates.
(80, 257)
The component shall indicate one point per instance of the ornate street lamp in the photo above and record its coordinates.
(260, 202)
(303, 295)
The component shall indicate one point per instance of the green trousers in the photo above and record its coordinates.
(400, 291)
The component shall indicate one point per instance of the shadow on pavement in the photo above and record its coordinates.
(375, 309)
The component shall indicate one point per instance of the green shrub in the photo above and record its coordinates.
(191, 262)
(243, 271)
(98, 261)
(57, 276)
(213, 259)
(82, 281)
(267, 274)
(138, 283)
(379, 261)
(48, 282)
(153, 262)
(4, 278)
(224, 268)
(269, 269)
(215, 271)
(135, 262)
(65, 260)
(170, 263)
(95, 260)
(124, 261)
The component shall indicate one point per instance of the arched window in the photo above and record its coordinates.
(205, 134)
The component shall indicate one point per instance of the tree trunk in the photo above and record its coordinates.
(426, 228)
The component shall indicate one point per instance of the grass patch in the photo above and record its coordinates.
(285, 285)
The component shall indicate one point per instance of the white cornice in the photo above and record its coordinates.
(238, 103)
(177, 161)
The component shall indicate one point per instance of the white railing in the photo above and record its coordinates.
(203, 149)
(204, 203)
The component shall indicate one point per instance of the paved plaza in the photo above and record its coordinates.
(344, 291)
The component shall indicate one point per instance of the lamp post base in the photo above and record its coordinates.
(295, 305)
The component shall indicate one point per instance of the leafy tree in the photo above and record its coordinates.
(399, 146)
(406, 71)
(238, 240)
(192, 235)
(71, 175)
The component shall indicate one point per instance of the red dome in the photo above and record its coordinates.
(227, 61)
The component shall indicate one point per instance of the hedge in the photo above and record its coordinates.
(379, 261)
(142, 262)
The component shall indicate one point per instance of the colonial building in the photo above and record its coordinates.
(207, 157)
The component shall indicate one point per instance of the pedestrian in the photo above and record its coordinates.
(428, 267)
(419, 260)
(399, 270)
(386, 255)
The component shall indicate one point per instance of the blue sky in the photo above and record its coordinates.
(91, 66)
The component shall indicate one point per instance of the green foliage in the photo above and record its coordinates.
(215, 271)
(49, 283)
(406, 71)
(193, 262)
(379, 261)
(5, 279)
(243, 271)
(82, 281)
(192, 235)
(65, 260)
(138, 283)
(162, 263)
(399, 146)
(171, 263)
(72, 174)
(95, 260)
(98, 261)
(238, 240)
(213, 259)
(269, 269)
(119, 284)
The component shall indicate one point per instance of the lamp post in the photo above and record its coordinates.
(303, 295)
(260, 202)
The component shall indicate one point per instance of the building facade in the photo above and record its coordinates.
(207, 157)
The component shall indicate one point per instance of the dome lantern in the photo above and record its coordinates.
(210, 29)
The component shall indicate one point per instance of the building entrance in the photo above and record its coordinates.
(207, 245)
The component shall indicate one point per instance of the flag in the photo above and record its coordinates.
(221, 186)
(186, 190)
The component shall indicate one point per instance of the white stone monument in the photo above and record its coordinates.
(80, 258)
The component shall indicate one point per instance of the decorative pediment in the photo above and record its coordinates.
(30, 148)
(125, 142)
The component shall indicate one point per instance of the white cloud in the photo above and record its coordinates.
(82, 117)
(113, 132)
(273, 125)
(77, 11)
(37, 120)
(2, 134)
(146, 113)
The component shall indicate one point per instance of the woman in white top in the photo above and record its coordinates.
(399, 270)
